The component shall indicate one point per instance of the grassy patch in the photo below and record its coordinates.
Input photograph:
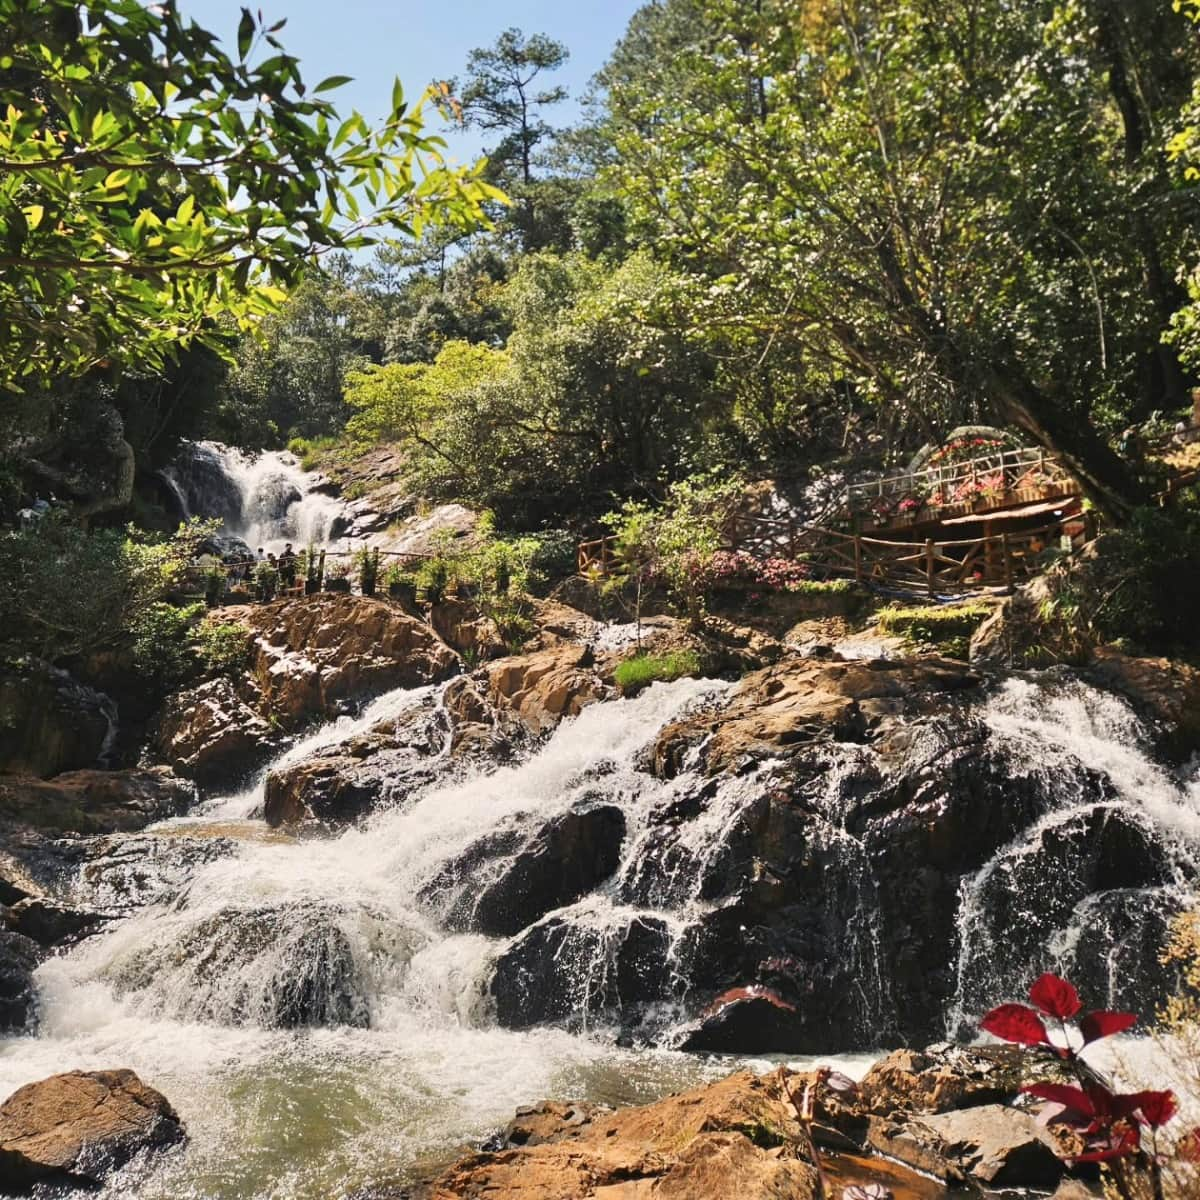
(312, 452)
(947, 629)
(822, 587)
(639, 672)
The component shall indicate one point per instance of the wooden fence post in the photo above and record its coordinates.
(1008, 571)
(858, 557)
(929, 553)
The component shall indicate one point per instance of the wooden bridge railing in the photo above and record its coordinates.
(995, 476)
(937, 565)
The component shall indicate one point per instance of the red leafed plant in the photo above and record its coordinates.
(1110, 1126)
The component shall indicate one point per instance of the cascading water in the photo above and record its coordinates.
(1099, 875)
(332, 1013)
(315, 1025)
(265, 499)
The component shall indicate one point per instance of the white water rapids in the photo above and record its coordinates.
(419, 1066)
(289, 1114)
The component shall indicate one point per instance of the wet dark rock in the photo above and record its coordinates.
(569, 857)
(121, 874)
(19, 957)
(74, 1130)
(49, 722)
(277, 967)
(565, 968)
(746, 1020)
(52, 923)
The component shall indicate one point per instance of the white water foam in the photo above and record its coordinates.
(301, 1113)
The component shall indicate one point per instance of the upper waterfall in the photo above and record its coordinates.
(265, 499)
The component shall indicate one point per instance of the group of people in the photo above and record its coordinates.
(268, 570)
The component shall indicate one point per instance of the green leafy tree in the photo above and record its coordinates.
(150, 182)
(65, 592)
(932, 207)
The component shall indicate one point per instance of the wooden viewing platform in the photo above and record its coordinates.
(950, 527)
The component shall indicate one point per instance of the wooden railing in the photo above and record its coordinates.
(936, 565)
(997, 479)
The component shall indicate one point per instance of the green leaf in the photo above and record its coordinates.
(245, 33)
(333, 81)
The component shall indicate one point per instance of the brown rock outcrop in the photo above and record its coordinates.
(741, 1136)
(802, 701)
(532, 692)
(93, 802)
(689, 1146)
(211, 733)
(311, 658)
(75, 1129)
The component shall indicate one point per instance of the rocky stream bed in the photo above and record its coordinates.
(364, 899)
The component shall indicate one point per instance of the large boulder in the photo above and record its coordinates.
(279, 966)
(212, 734)
(93, 802)
(531, 693)
(1000, 1147)
(19, 958)
(1165, 690)
(567, 968)
(797, 703)
(74, 1130)
(568, 857)
(49, 722)
(329, 791)
(313, 659)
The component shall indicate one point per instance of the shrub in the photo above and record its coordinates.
(224, 647)
(949, 628)
(1149, 577)
(162, 648)
(639, 672)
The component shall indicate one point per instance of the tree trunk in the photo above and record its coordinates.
(1107, 480)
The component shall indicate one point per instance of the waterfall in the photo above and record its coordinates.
(265, 499)
(1095, 880)
(327, 1014)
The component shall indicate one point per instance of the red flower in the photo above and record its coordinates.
(1055, 997)
(1016, 1023)
(1156, 1108)
(1097, 1025)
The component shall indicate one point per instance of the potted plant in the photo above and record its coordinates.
(401, 585)
(434, 579)
(266, 581)
(337, 578)
(214, 585)
(314, 571)
(367, 562)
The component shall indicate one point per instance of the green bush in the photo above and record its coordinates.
(223, 647)
(162, 647)
(947, 629)
(639, 672)
(1146, 583)
(65, 591)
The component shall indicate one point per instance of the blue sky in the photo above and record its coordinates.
(375, 41)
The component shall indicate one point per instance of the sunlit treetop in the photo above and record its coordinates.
(151, 182)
